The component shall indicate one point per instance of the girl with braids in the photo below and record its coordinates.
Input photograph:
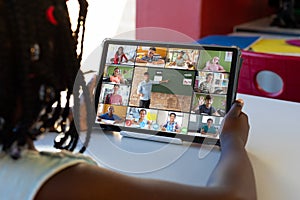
(37, 61)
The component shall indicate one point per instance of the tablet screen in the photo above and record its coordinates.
(171, 89)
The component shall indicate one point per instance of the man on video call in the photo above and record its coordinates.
(110, 115)
(144, 90)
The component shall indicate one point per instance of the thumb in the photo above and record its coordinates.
(236, 108)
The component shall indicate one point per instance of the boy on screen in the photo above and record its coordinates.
(114, 98)
(209, 128)
(207, 85)
(171, 125)
(150, 58)
(207, 107)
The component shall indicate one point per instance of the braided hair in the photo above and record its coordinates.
(38, 61)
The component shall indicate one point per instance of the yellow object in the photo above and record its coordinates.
(274, 46)
(151, 116)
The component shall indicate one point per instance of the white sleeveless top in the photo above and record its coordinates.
(22, 178)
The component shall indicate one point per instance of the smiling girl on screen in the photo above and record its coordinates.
(142, 121)
(119, 55)
(117, 77)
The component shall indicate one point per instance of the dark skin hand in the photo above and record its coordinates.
(234, 170)
(232, 178)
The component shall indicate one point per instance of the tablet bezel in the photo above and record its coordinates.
(230, 97)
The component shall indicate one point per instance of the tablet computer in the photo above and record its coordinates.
(172, 90)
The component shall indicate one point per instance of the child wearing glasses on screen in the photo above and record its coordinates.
(150, 58)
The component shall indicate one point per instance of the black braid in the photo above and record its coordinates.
(7, 59)
(81, 22)
(27, 86)
(38, 61)
(80, 81)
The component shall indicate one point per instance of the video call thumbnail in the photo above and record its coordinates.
(212, 83)
(165, 89)
(140, 118)
(206, 126)
(207, 104)
(121, 54)
(215, 61)
(157, 120)
(114, 94)
(151, 56)
(182, 58)
(111, 114)
(118, 74)
(176, 122)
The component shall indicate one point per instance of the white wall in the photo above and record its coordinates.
(105, 19)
